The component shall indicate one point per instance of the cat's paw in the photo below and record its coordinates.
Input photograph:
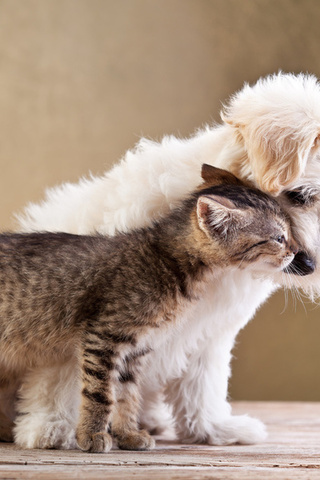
(35, 432)
(98, 442)
(237, 429)
(136, 440)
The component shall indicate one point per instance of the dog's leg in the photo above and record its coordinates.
(199, 396)
(201, 411)
(155, 416)
(47, 409)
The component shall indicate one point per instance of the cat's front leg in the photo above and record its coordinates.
(100, 363)
(125, 426)
(97, 400)
(91, 434)
(199, 399)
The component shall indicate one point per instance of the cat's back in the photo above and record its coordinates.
(46, 271)
(39, 242)
(30, 249)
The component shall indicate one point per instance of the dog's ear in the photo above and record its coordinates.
(277, 155)
(218, 176)
(283, 155)
(277, 124)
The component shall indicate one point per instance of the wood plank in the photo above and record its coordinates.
(292, 451)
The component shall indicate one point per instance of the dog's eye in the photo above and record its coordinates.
(299, 197)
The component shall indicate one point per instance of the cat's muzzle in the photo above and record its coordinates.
(302, 264)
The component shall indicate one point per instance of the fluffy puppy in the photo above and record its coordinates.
(269, 137)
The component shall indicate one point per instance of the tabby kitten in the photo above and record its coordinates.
(110, 298)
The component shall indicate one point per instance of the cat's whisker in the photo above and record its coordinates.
(289, 285)
(285, 301)
(288, 288)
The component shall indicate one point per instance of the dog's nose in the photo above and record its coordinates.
(302, 264)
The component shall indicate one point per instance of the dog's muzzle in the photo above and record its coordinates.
(302, 264)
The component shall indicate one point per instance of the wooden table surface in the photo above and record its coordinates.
(292, 451)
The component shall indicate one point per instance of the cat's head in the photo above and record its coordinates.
(249, 227)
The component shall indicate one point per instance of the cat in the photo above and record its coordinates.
(108, 301)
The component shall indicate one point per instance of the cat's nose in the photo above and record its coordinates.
(302, 264)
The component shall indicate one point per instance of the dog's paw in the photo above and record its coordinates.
(98, 442)
(136, 440)
(237, 429)
(240, 429)
(157, 421)
(35, 432)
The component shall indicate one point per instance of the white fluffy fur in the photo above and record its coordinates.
(268, 136)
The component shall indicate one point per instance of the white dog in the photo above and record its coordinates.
(269, 136)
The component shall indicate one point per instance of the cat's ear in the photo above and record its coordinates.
(219, 215)
(218, 176)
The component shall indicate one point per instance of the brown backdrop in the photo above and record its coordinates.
(82, 80)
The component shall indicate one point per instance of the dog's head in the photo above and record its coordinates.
(276, 124)
(277, 121)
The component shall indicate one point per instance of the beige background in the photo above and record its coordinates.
(82, 80)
